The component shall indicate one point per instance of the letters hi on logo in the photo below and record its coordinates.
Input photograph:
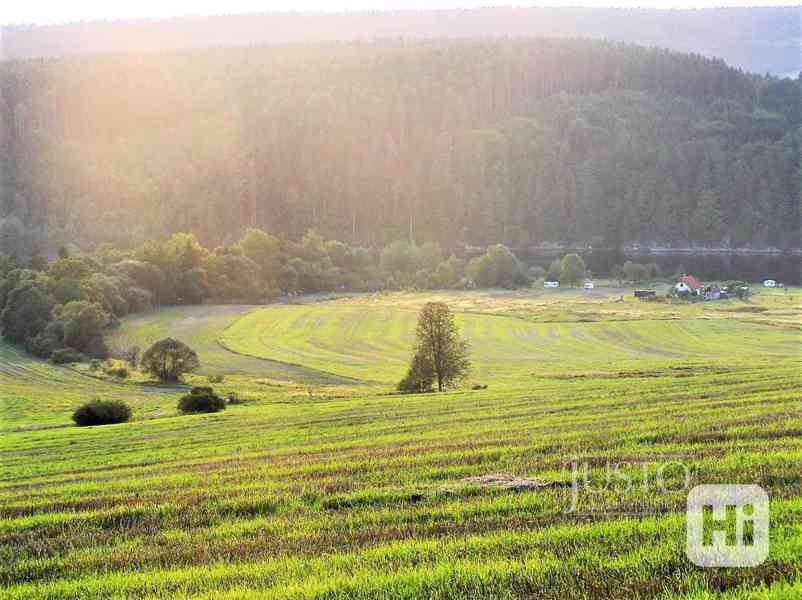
(735, 509)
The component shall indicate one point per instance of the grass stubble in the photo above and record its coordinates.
(325, 484)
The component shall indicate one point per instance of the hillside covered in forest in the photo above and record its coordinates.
(463, 142)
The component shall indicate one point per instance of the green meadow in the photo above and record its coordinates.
(327, 484)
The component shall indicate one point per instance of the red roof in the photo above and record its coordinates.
(691, 282)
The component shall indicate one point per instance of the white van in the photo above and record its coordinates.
(589, 285)
(770, 283)
(551, 284)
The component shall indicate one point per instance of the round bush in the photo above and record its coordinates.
(100, 412)
(201, 400)
(119, 372)
(63, 356)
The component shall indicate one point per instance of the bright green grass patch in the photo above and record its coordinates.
(373, 341)
(34, 393)
(200, 327)
(340, 491)
(365, 497)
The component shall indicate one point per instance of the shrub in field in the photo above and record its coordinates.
(117, 371)
(169, 359)
(64, 356)
(739, 289)
(201, 400)
(100, 412)
(216, 378)
(233, 398)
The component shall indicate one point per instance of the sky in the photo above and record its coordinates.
(59, 11)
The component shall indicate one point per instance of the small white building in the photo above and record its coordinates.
(687, 285)
(589, 285)
(550, 285)
(770, 283)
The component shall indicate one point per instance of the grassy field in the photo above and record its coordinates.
(371, 340)
(326, 484)
(201, 327)
(35, 394)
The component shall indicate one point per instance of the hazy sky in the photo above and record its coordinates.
(54, 11)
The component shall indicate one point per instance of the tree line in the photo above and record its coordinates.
(458, 142)
(62, 309)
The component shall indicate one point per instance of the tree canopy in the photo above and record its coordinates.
(460, 142)
(572, 270)
(169, 359)
(440, 355)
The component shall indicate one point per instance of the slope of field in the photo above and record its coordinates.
(34, 393)
(340, 495)
(371, 339)
(375, 497)
(201, 327)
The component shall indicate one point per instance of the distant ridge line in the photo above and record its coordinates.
(754, 39)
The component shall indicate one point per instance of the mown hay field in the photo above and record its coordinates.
(326, 484)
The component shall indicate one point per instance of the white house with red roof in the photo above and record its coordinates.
(688, 284)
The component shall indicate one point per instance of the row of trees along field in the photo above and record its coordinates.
(61, 309)
(459, 142)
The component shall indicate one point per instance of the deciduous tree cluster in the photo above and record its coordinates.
(64, 308)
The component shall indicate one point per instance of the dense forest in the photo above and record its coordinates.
(756, 39)
(460, 142)
(61, 309)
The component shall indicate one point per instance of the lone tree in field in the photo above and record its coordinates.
(441, 355)
(169, 359)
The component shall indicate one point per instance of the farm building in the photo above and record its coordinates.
(688, 284)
